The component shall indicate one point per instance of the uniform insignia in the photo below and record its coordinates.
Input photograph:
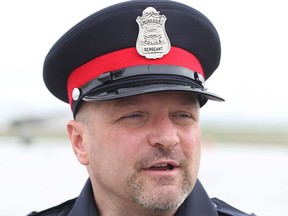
(152, 41)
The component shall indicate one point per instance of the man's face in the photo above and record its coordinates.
(143, 151)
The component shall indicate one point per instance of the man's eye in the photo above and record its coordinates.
(182, 115)
(136, 118)
(183, 118)
(131, 116)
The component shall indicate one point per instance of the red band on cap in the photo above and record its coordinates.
(127, 58)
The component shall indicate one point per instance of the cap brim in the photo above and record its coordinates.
(137, 90)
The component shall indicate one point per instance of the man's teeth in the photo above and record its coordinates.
(162, 167)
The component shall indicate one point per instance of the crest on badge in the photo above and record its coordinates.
(152, 41)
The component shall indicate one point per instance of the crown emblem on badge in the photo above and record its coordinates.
(152, 41)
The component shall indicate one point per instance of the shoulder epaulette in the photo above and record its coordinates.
(225, 209)
(56, 210)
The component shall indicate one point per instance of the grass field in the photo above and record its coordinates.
(269, 134)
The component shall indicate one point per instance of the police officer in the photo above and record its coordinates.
(134, 75)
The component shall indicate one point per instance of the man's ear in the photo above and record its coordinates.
(76, 135)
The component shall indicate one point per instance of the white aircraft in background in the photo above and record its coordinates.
(29, 125)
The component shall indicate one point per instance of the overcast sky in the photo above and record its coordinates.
(252, 75)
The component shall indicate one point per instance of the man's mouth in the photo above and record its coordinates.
(164, 166)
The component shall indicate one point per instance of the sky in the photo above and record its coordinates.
(252, 76)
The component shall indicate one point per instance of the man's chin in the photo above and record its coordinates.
(161, 195)
(164, 198)
(159, 192)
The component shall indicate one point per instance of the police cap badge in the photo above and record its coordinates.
(152, 41)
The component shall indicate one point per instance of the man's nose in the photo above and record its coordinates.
(163, 133)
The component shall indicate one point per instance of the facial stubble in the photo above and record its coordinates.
(165, 195)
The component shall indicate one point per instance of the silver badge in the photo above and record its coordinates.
(152, 41)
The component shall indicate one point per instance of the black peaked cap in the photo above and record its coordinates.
(115, 28)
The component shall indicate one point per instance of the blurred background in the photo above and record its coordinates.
(245, 139)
